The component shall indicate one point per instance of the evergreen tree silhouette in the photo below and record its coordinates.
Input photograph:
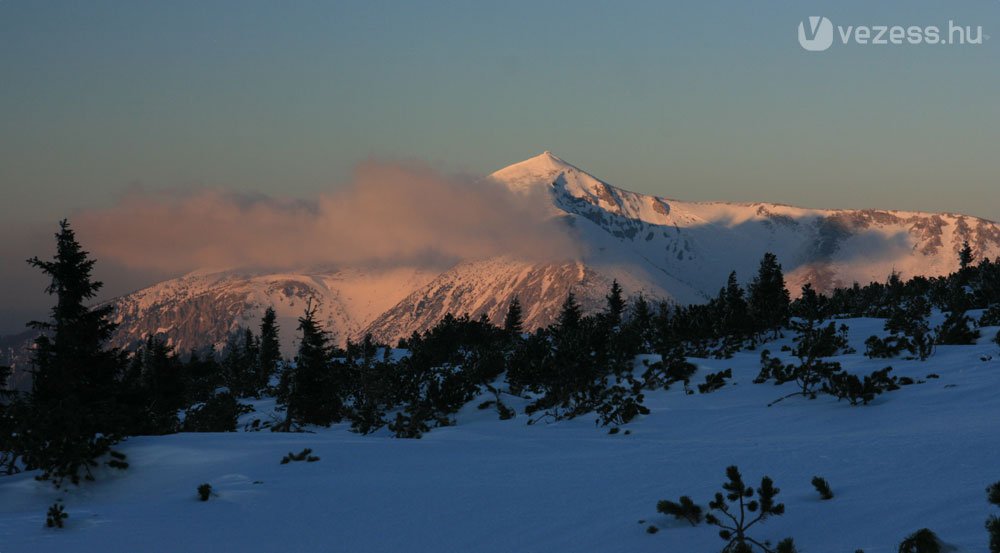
(513, 322)
(270, 349)
(769, 299)
(74, 417)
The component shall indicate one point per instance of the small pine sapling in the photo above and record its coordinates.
(56, 516)
(823, 487)
(921, 541)
(204, 491)
(738, 511)
(684, 509)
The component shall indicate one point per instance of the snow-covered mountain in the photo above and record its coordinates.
(664, 248)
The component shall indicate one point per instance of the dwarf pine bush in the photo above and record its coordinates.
(823, 487)
(684, 509)
(921, 541)
(56, 516)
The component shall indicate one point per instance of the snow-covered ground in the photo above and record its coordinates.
(918, 457)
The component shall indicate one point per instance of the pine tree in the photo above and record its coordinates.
(965, 256)
(616, 305)
(684, 509)
(313, 397)
(808, 305)
(270, 349)
(769, 299)
(737, 511)
(74, 416)
(162, 383)
(957, 328)
(735, 311)
(569, 314)
(513, 322)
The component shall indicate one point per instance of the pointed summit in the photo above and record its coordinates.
(541, 170)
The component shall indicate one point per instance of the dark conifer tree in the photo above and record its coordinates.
(513, 322)
(808, 305)
(957, 328)
(769, 299)
(735, 311)
(965, 256)
(313, 397)
(162, 377)
(270, 349)
(74, 416)
(569, 314)
(616, 305)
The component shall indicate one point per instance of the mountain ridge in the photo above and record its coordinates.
(666, 249)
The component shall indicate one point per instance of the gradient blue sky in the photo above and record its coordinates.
(693, 100)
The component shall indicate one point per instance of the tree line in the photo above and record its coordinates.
(86, 396)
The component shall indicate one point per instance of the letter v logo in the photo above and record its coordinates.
(817, 34)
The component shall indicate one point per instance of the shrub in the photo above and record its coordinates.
(993, 528)
(921, 541)
(204, 491)
(652, 529)
(991, 317)
(786, 545)
(620, 404)
(218, 414)
(859, 391)
(823, 487)
(304, 455)
(957, 330)
(993, 523)
(993, 493)
(684, 509)
(714, 381)
(56, 515)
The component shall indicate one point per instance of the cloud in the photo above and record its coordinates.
(388, 214)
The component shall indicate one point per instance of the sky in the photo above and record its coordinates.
(690, 100)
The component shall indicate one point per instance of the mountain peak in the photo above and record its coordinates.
(542, 169)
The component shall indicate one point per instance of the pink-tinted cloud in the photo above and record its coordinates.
(388, 214)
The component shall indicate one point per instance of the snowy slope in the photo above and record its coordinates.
(201, 309)
(918, 457)
(698, 243)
